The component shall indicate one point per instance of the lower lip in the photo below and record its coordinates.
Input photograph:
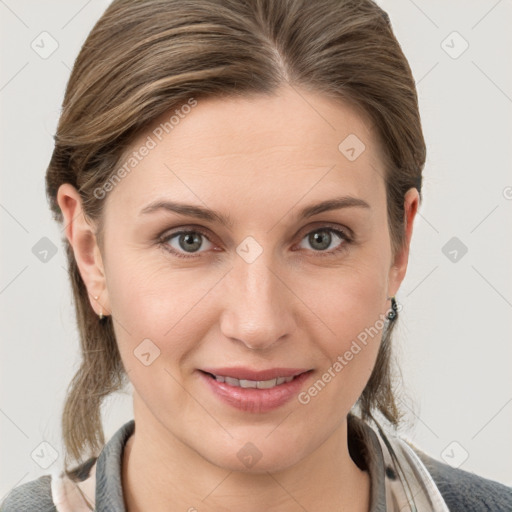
(253, 399)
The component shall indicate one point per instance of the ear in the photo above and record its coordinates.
(81, 234)
(399, 265)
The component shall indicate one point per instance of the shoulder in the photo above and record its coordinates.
(464, 491)
(48, 492)
(33, 496)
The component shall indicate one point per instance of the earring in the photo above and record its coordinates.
(394, 309)
(102, 317)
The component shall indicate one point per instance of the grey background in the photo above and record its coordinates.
(455, 331)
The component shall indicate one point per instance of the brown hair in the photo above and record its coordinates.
(144, 57)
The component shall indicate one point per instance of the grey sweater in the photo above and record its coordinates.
(461, 490)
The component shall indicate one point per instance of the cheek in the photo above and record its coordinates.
(346, 300)
(349, 307)
(145, 293)
(157, 311)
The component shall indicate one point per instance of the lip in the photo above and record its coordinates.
(256, 400)
(242, 372)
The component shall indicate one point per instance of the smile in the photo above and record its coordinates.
(259, 384)
(255, 396)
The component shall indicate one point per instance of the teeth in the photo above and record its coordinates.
(231, 381)
(260, 384)
(264, 384)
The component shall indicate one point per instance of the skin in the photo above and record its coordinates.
(259, 160)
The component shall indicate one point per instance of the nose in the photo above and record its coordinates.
(258, 304)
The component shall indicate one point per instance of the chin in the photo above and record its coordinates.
(257, 456)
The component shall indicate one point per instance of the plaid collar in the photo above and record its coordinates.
(399, 480)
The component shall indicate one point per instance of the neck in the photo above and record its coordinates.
(158, 470)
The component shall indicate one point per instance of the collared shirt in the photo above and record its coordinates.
(102, 488)
(99, 480)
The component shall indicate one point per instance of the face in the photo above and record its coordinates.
(267, 287)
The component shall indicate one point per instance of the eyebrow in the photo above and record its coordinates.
(214, 216)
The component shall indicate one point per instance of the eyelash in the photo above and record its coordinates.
(164, 239)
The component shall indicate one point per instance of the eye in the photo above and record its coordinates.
(184, 244)
(187, 243)
(323, 238)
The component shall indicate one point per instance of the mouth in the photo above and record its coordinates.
(244, 377)
(263, 392)
(248, 383)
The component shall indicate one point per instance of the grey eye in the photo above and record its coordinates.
(187, 241)
(321, 239)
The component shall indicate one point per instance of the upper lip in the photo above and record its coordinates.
(240, 372)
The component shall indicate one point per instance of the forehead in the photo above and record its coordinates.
(284, 146)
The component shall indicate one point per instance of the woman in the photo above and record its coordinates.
(238, 182)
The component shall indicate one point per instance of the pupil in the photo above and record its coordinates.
(188, 241)
(325, 238)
